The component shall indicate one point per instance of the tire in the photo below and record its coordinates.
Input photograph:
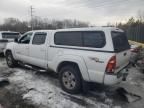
(11, 62)
(70, 79)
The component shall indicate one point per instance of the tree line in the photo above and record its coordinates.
(14, 24)
(134, 28)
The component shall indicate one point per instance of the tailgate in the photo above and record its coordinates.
(121, 48)
(122, 59)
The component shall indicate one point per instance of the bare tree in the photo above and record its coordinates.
(15, 24)
(141, 15)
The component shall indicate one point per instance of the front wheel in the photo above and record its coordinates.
(11, 62)
(70, 79)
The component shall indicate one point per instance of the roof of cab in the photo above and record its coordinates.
(81, 29)
(89, 29)
(41, 30)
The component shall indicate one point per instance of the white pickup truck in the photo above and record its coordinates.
(5, 37)
(97, 54)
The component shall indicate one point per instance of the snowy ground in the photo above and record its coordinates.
(43, 90)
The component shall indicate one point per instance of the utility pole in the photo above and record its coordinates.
(32, 11)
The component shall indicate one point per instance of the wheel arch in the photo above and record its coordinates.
(64, 63)
(7, 50)
(79, 64)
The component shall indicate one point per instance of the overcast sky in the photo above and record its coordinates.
(97, 12)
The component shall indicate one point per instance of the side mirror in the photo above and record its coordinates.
(16, 40)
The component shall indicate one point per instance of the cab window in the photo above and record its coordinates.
(120, 41)
(39, 38)
(25, 39)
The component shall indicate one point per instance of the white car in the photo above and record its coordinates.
(5, 37)
(98, 54)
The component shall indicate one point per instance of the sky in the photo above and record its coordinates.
(97, 12)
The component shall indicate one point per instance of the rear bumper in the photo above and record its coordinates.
(116, 78)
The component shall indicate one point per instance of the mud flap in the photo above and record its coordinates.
(130, 97)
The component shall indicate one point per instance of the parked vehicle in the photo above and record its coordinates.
(135, 48)
(5, 37)
(135, 53)
(140, 64)
(137, 59)
(98, 54)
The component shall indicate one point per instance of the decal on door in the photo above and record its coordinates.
(96, 59)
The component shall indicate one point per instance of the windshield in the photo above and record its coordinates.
(10, 35)
(120, 41)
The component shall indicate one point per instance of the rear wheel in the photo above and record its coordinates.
(11, 62)
(70, 79)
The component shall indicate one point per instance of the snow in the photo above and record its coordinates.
(2, 64)
(42, 92)
(3, 79)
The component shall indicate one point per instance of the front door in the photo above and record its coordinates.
(22, 47)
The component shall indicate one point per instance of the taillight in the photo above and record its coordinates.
(111, 65)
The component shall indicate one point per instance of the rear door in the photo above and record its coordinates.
(38, 49)
(122, 49)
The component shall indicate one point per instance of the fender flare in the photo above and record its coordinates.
(75, 59)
